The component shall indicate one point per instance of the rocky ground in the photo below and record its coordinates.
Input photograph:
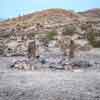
(47, 85)
(53, 31)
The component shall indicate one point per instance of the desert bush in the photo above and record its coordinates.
(69, 30)
(18, 27)
(33, 34)
(92, 39)
(51, 35)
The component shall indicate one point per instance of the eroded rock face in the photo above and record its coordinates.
(2, 47)
(14, 48)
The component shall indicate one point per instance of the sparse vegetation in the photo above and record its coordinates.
(92, 39)
(18, 27)
(50, 35)
(69, 30)
(22, 25)
(33, 34)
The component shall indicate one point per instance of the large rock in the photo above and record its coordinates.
(15, 48)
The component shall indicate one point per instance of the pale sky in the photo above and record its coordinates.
(12, 8)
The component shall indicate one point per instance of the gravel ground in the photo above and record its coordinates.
(47, 85)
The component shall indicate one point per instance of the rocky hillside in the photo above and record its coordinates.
(83, 27)
(92, 13)
(50, 17)
(44, 17)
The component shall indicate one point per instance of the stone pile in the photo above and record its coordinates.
(22, 65)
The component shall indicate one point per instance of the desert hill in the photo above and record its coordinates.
(82, 26)
(92, 13)
(49, 16)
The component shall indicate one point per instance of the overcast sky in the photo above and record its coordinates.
(12, 8)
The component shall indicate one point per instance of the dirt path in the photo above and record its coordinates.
(49, 85)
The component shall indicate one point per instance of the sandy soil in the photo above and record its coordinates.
(48, 85)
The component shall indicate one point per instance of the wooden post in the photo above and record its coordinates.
(32, 49)
(71, 49)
